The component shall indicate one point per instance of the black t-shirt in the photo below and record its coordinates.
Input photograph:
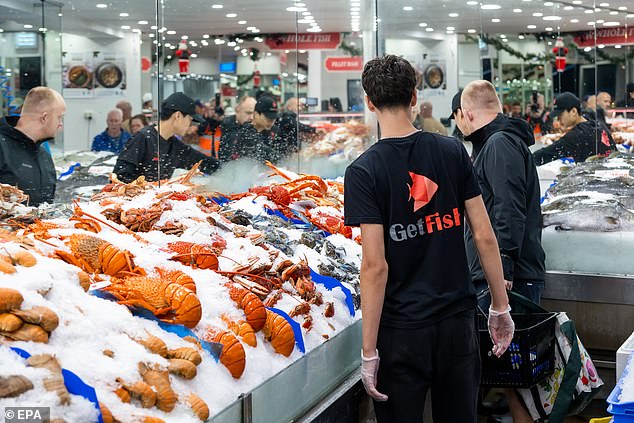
(416, 187)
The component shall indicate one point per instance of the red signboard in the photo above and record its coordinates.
(344, 64)
(606, 36)
(316, 41)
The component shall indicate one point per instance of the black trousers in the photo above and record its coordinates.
(444, 357)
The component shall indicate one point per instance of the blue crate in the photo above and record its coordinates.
(623, 412)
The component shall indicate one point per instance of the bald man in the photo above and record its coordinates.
(510, 189)
(114, 137)
(23, 161)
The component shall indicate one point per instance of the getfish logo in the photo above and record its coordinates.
(422, 190)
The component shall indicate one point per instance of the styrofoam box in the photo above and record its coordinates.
(623, 355)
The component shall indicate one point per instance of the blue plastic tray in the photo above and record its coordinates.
(623, 412)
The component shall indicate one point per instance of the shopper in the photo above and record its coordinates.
(538, 116)
(137, 122)
(628, 101)
(409, 193)
(126, 109)
(584, 138)
(150, 150)
(23, 161)
(287, 125)
(114, 137)
(230, 128)
(256, 140)
(427, 122)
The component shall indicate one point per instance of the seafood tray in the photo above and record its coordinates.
(170, 302)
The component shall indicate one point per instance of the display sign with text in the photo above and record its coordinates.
(316, 41)
(344, 64)
(606, 36)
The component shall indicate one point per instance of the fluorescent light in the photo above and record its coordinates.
(28, 26)
(517, 10)
(569, 8)
(622, 7)
(601, 46)
(242, 22)
(171, 32)
(614, 13)
(422, 24)
(231, 15)
(618, 46)
(531, 26)
(205, 36)
(216, 6)
(125, 26)
(101, 5)
(471, 31)
(123, 15)
(574, 21)
(408, 8)
(611, 23)
(451, 28)
(552, 18)
(143, 22)
(429, 29)
(296, 9)
(490, 7)
(495, 20)
(548, 3)
(502, 36)
(600, 21)
(472, 3)
(154, 27)
(577, 2)
(454, 15)
(588, 11)
(591, 23)
(314, 29)
(521, 37)
(184, 37)
(538, 14)
(604, 4)
(194, 55)
(548, 29)
(587, 49)
(231, 44)
(219, 41)
(357, 9)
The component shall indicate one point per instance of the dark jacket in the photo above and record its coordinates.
(229, 140)
(581, 142)
(253, 144)
(25, 164)
(140, 157)
(510, 189)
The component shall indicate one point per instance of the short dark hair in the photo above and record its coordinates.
(389, 82)
(165, 114)
(140, 117)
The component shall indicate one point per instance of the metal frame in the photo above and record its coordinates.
(591, 288)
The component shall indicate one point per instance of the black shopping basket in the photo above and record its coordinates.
(531, 356)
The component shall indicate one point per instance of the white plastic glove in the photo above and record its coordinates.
(369, 370)
(501, 329)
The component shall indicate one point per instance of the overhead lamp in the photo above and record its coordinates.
(258, 39)
(611, 23)
(154, 27)
(205, 36)
(151, 35)
(622, 7)
(600, 21)
(408, 8)
(256, 31)
(471, 31)
(502, 35)
(171, 32)
(428, 29)
(472, 3)
(28, 26)
(604, 4)
(490, 7)
(495, 20)
(184, 37)
(194, 55)
(588, 11)
(143, 22)
(454, 15)
(538, 14)
(236, 48)
(601, 46)
(591, 23)
(296, 9)
(630, 15)
(123, 15)
(231, 44)
(548, 3)
(451, 28)
(242, 22)
(548, 29)
(298, 4)
(101, 5)
(314, 29)
(587, 49)
(250, 28)
(521, 37)
(304, 21)
(531, 26)
(231, 15)
(125, 26)
(574, 20)
(618, 46)
(219, 41)
(42, 29)
(357, 9)
(217, 6)
(517, 10)
(552, 18)
(577, 2)
(422, 24)
(614, 13)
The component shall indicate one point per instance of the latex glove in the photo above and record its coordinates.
(501, 329)
(508, 285)
(369, 370)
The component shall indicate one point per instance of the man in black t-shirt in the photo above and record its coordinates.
(584, 138)
(409, 193)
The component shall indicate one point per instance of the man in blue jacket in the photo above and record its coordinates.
(114, 138)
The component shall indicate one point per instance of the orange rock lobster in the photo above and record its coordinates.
(194, 255)
(169, 301)
(232, 355)
(94, 255)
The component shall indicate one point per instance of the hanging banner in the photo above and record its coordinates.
(606, 36)
(316, 41)
(344, 64)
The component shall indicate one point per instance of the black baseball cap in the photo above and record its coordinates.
(565, 101)
(179, 102)
(455, 104)
(267, 106)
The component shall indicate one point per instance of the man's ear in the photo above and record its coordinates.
(371, 106)
(468, 115)
(414, 99)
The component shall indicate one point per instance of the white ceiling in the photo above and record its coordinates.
(197, 17)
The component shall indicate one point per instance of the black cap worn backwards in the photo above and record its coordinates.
(267, 106)
(455, 104)
(565, 101)
(179, 102)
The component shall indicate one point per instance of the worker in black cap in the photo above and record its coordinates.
(455, 105)
(256, 139)
(628, 101)
(151, 151)
(584, 138)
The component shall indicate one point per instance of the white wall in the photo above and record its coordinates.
(445, 48)
(78, 131)
(468, 63)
